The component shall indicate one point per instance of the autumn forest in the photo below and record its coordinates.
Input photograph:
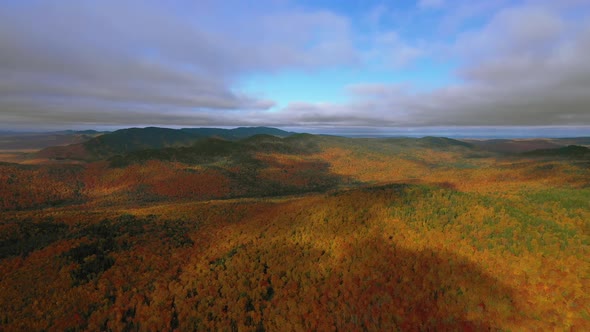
(259, 229)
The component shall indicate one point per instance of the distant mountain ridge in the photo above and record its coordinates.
(236, 133)
(105, 145)
(135, 139)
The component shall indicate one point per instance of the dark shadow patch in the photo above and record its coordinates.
(121, 234)
(19, 238)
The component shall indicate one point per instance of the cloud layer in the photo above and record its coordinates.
(112, 61)
(526, 66)
(142, 63)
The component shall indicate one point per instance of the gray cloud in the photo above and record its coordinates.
(93, 57)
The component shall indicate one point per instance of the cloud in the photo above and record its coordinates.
(527, 66)
(460, 13)
(91, 57)
(512, 31)
(389, 51)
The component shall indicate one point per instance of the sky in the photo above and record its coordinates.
(313, 65)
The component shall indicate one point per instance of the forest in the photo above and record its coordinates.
(258, 229)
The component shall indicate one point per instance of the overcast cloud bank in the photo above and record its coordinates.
(72, 63)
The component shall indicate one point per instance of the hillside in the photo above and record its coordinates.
(303, 232)
(133, 139)
(210, 150)
(570, 151)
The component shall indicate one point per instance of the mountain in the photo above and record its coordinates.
(135, 139)
(214, 149)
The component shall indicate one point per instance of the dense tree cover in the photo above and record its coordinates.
(382, 235)
(20, 237)
(25, 187)
(261, 165)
